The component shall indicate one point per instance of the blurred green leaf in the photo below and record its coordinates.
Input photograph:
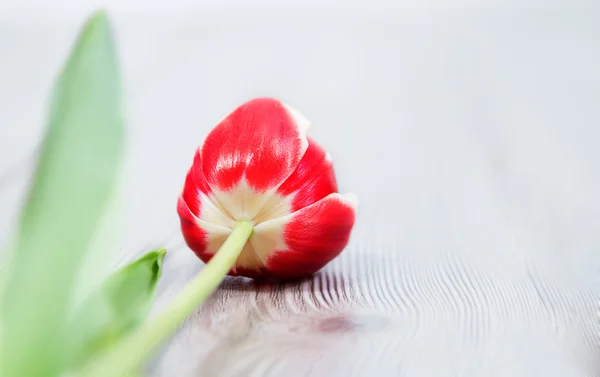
(75, 178)
(119, 306)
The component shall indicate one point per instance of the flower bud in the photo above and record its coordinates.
(258, 165)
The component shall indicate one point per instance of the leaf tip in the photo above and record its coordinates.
(97, 22)
(100, 15)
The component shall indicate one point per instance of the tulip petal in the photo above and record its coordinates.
(194, 236)
(262, 140)
(205, 239)
(312, 180)
(191, 192)
(251, 152)
(303, 242)
(202, 237)
(200, 199)
(248, 264)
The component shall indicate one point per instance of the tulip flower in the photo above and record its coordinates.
(260, 200)
(257, 166)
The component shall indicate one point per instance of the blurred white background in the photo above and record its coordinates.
(443, 108)
(469, 127)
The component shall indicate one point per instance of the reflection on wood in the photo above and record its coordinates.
(377, 311)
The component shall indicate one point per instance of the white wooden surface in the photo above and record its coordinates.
(468, 130)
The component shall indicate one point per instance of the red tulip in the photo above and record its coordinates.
(258, 165)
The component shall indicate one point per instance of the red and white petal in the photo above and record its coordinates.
(201, 200)
(251, 152)
(195, 185)
(312, 180)
(194, 236)
(202, 237)
(303, 242)
(248, 264)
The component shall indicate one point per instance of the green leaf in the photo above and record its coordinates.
(115, 309)
(75, 178)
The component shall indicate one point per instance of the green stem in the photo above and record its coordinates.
(135, 349)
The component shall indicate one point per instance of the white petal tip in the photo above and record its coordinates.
(302, 123)
(350, 199)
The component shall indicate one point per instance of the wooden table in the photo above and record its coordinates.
(470, 135)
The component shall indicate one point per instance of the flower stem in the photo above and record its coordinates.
(128, 354)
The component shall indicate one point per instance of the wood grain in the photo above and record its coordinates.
(469, 136)
(375, 311)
